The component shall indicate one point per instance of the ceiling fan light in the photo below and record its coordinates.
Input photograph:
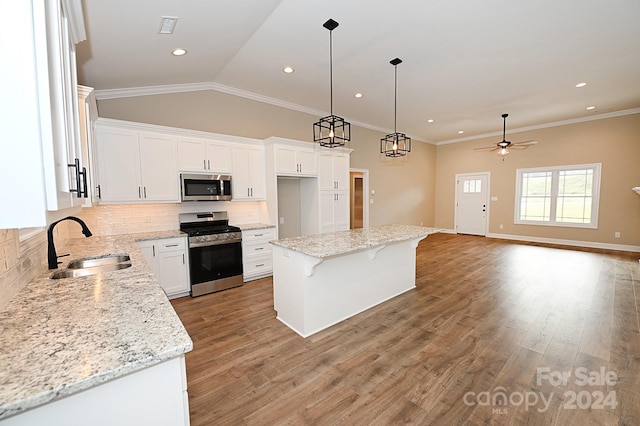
(503, 151)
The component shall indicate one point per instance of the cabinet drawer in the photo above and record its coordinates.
(257, 266)
(267, 234)
(171, 244)
(258, 248)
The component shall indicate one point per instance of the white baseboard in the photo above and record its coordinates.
(574, 243)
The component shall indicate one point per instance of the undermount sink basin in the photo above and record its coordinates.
(74, 273)
(93, 265)
(92, 262)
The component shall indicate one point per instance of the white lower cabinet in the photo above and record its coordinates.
(257, 261)
(168, 259)
(156, 395)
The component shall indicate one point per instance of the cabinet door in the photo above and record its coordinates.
(119, 165)
(240, 179)
(173, 272)
(307, 161)
(341, 171)
(192, 156)
(327, 207)
(326, 181)
(341, 212)
(159, 168)
(286, 161)
(219, 157)
(148, 249)
(256, 173)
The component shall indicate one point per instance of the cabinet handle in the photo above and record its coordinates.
(99, 191)
(84, 180)
(145, 192)
(259, 265)
(183, 258)
(154, 250)
(258, 235)
(171, 245)
(204, 164)
(252, 192)
(247, 192)
(76, 166)
(209, 164)
(259, 248)
(139, 193)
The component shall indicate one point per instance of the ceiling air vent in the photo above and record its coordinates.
(168, 24)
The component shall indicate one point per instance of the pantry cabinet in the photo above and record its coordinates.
(136, 167)
(334, 211)
(248, 173)
(203, 155)
(168, 259)
(333, 171)
(333, 189)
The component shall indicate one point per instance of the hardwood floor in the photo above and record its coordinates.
(489, 318)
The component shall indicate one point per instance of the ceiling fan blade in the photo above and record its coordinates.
(519, 147)
(487, 148)
(525, 143)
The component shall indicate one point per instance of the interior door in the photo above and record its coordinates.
(471, 204)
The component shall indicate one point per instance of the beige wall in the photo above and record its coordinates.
(614, 142)
(406, 185)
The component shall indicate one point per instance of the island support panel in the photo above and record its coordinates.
(311, 294)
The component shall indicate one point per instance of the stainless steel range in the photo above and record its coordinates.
(215, 252)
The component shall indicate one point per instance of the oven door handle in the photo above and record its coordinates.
(214, 243)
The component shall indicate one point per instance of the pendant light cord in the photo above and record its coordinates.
(395, 104)
(331, 68)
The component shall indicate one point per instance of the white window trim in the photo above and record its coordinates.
(597, 172)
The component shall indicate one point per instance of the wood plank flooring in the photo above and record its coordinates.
(490, 322)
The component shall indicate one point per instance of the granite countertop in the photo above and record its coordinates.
(250, 226)
(59, 337)
(337, 243)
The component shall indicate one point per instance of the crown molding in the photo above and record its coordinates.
(131, 92)
(545, 125)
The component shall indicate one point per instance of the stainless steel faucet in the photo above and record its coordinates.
(51, 248)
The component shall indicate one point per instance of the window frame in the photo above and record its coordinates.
(595, 195)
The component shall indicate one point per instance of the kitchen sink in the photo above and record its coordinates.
(74, 273)
(92, 262)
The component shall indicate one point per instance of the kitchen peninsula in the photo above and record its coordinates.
(320, 280)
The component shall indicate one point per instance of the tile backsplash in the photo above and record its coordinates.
(21, 261)
(127, 219)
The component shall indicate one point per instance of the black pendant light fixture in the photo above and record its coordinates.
(331, 131)
(395, 144)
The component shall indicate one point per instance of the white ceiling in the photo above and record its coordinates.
(464, 62)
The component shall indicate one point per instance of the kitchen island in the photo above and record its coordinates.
(101, 349)
(320, 280)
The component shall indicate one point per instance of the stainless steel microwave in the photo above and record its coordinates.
(205, 187)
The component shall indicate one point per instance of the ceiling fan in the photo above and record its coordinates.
(503, 146)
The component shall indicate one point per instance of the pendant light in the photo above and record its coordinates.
(395, 144)
(331, 131)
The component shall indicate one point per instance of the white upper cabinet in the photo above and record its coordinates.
(135, 167)
(40, 111)
(203, 155)
(248, 176)
(292, 160)
(333, 171)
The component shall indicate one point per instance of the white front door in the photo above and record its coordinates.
(471, 203)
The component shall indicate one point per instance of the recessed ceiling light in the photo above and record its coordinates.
(581, 84)
(430, 120)
(357, 95)
(288, 70)
(460, 131)
(591, 107)
(178, 52)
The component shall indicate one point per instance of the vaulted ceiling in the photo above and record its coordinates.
(464, 62)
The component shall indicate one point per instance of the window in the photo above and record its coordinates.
(558, 196)
(472, 186)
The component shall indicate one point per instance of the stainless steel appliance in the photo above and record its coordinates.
(215, 252)
(205, 187)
